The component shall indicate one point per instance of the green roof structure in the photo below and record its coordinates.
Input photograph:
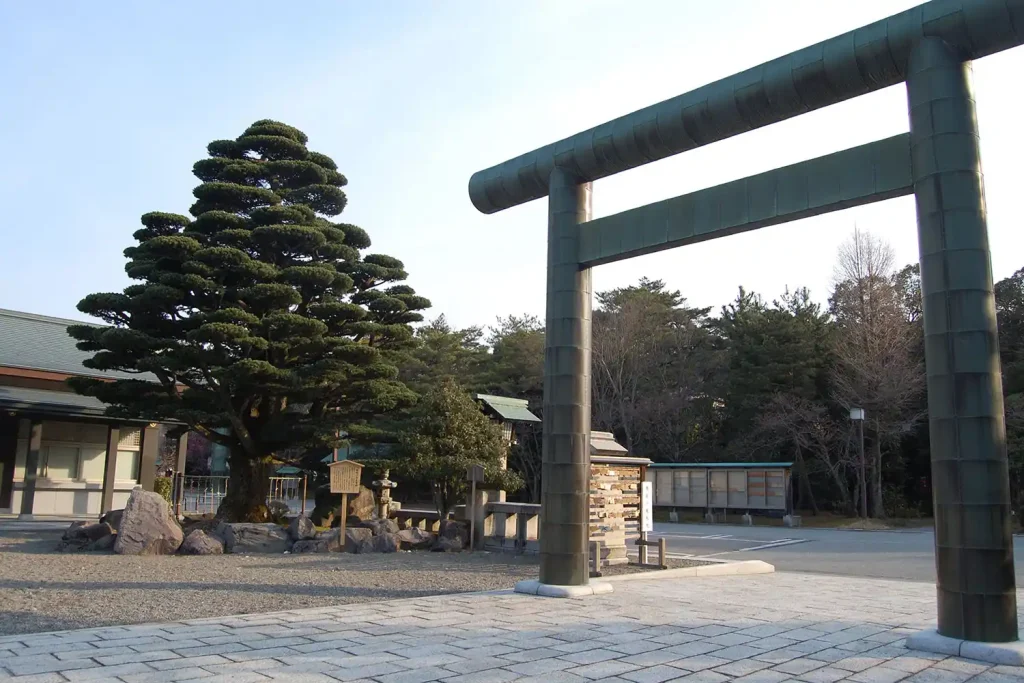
(508, 409)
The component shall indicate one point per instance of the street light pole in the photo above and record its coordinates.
(857, 415)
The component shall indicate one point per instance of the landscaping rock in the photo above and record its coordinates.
(113, 518)
(333, 540)
(448, 545)
(278, 511)
(198, 542)
(386, 543)
(254, 538)
(358, 540)
(102, 544)
(451, 528)
(75, 531)
(147, 526)
(325, 512)
(301, 528)
(379, 527)
(415, 539)
(96, 532)
(314, 545)
(362, 505)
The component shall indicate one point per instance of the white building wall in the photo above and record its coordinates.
(71, 463)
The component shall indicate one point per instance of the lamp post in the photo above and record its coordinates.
(857, 415)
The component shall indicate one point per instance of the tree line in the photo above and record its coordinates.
(263, 323)
(757, 380)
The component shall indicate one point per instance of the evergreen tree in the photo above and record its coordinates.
(449, 434)
(259, 316)
(772, 350)
(442, 352)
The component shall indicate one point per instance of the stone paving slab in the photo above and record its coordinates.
(772, 628)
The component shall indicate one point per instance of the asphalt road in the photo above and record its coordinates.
(902, 554)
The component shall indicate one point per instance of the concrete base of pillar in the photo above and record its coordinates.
(1006, 654)
(547, 590)
(26, 517)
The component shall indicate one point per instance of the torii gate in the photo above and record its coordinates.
(929, 47)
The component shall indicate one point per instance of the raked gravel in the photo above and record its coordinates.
(42, 590)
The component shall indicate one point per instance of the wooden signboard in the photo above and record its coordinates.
(345, 476)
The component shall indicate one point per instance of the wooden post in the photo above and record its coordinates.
(32, 466)
(661, 552)
(110, 468)
(342, 516)
(643, 547)
(472, 513)
(305, 481)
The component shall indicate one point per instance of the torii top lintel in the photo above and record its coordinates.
(855, 63)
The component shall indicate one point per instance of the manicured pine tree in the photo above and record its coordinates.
(258, 323)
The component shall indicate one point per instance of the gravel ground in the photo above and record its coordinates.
(43, 590)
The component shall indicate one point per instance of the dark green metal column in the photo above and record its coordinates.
(973, 540)
(565, 514)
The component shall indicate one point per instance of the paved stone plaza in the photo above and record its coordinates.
(756, 629)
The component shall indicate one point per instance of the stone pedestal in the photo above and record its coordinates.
(547, 590)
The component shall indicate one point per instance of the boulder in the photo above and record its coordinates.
(253, 538)
(96, 532)
(379, 527)
(74, 531)
(101, 544)
(333, 540)
(362, 505)
(451, 528)
(358, 540)
(415, 538)
(113, 518)
(278, 511)
(447, 545)
(325, 512)
(386, 543)
(301, 528)
(147, 526)
(198, 542)
(314, 545)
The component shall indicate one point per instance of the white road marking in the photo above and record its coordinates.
(767, 546)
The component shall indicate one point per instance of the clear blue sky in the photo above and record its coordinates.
(104, 107)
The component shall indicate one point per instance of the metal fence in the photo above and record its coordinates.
(202, 495)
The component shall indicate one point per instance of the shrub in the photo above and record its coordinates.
(164, 486)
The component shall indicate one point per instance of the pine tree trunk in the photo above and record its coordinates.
(248, 488)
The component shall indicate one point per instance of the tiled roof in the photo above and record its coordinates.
(47, 401)
(39, 342)
(604, 443)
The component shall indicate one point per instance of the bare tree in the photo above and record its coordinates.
(820, 443)
(626, 345)
(879, 367)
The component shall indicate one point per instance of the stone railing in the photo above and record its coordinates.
(428, 520)
(512, 527)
